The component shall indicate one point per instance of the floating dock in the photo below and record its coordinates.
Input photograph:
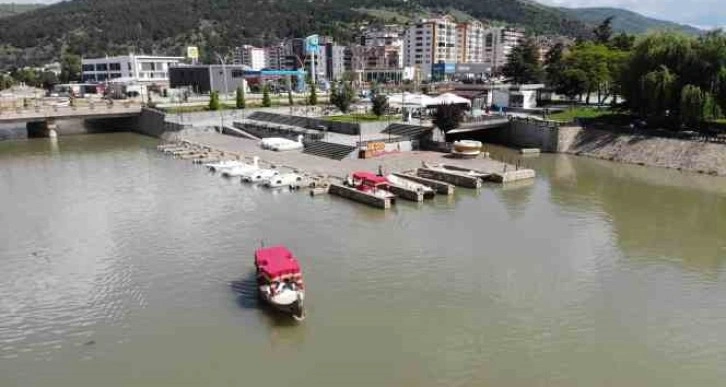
(359, 196)
(458, 179)
(439, 186)
(405, 193)
(507, 177)
(530, 151)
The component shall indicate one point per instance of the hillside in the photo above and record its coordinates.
(10, 9)
(99, 27)
(627, 21)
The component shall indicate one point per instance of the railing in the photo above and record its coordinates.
(50, 111)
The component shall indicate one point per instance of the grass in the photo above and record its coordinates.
(571, 114)
(359, 118)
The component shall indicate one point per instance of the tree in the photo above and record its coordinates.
(554, 64)
(6, 81)
(70, 68)
(313, 97)
(380, 104)
(692, 105)
(572, 83)
(448, 117)
(659, 91)
(47, 79)
(622, 42)
(604, 31)
(213, 101)
(240, 102)
(266, 102)
(523, 65)
(342, 95)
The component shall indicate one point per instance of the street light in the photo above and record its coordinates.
(222, 61)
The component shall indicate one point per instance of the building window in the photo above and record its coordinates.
(114, 66)
(101, 67)
(87, 68)
(236, 73)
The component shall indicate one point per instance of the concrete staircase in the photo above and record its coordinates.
(328, 149)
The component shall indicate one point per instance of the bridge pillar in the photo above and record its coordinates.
(47, 128)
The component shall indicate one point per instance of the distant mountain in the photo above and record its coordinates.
(627, 21)
(108, 27)
(10, 9)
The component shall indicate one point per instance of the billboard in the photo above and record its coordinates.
(193, 52)
(312, 44)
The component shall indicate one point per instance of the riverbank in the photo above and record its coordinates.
(683, 155)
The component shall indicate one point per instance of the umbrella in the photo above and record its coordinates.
(449, 99)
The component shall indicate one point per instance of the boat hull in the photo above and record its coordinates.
(295, 309)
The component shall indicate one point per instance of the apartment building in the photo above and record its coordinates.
(470, 42)
(431, 41)
(251, 56)
(498, 44)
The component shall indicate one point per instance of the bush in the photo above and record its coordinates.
(380, 104)
(214, 101)
(266, 101)
(240, 102)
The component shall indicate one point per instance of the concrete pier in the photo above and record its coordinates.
(405, 193)
(359, 196)
(438, 186)
(507, 177)
(451, 177)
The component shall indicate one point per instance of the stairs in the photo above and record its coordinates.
(328, 149)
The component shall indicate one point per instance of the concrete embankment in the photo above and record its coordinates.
(684, 155)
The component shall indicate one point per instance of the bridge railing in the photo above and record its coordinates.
(55, 110)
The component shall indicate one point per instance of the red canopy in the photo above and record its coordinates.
(370, 177)
(276, 261)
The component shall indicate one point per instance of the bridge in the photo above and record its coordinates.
(51, 113)
(481, 123)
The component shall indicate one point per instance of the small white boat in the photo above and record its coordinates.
(259, 175)
(467, 148)
(269, 142)
(215, 167)
(241, 170)
(284, 180)
(427, 191)
(288, 145)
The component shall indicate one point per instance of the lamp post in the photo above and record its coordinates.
(222, 61)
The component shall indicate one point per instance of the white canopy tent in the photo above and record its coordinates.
(450, 99)
(410, 100)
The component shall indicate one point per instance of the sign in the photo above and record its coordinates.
(312, 44)
(376, 146)
(192, 52)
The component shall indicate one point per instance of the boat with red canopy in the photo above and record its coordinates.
(279, 280)
(371, 183)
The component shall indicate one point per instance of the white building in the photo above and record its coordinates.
(254, 57)
(431, 41)
(379, 55)
(132, 68)
(498, 44)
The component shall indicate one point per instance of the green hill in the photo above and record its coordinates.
(10, 9)
(100, 27)
(627, 21)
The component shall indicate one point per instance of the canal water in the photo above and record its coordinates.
(122, 267)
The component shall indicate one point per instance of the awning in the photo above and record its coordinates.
(276, 261)
(451, 99)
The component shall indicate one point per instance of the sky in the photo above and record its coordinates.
(699, 13)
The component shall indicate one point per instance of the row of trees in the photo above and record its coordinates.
(70, 72)
(664, 76)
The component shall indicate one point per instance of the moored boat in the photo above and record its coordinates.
(371, 183)
(281, 144)
(240, 170)
(259, 175)
(292, 180)
(279, 280)
(224, 164)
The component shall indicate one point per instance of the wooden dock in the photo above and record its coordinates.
(359, 196)
(508, 177)
(405, 193)
(439, 186)
(458, 179)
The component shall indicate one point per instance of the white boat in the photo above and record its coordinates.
(427, 191)
(284, 180)
(288, 145)
(269, 142)
(259, 175)
(215, 167)
(467, 148)
(241, 170)
(280, 281)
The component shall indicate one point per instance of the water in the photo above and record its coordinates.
(121, 267)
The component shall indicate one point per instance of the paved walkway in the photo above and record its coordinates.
(394, 162)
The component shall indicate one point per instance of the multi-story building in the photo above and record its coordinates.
(498, 44)
(470, 42)
(334, 60)
(254, 57)
(131, 68)
(431, 41)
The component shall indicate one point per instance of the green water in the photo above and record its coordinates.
(122, 267)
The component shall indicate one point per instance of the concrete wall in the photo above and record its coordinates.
(523, 133)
